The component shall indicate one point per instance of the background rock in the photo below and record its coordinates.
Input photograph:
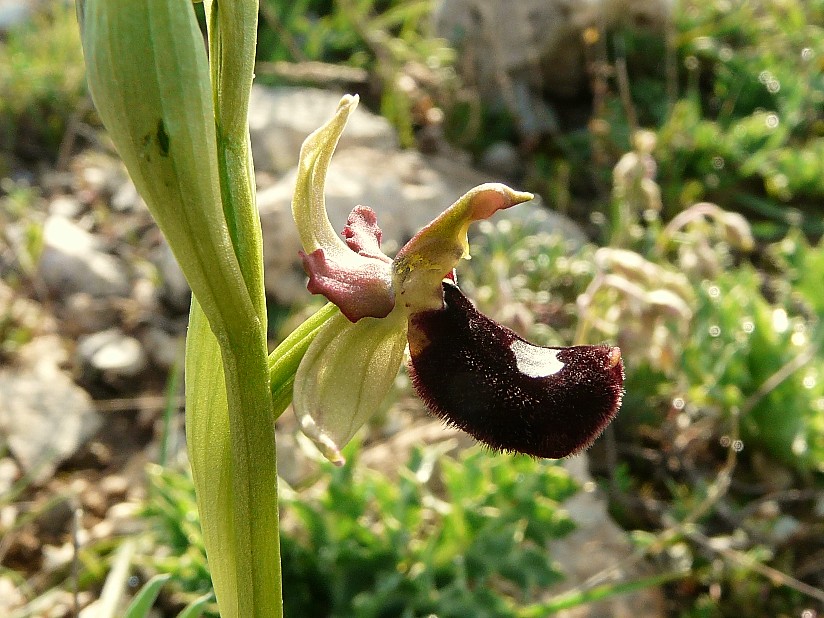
(281, 118)
(83, 313)
(111, 353)
(13, 13)
(542, 50)
(164, 348)
(45, 417)
(73, 261)
(174, 289)
(597, 545)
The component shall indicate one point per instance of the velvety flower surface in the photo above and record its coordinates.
(469, 370)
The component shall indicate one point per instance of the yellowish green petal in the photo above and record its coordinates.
(345, 375)
(431, 255)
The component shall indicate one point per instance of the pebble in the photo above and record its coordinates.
(83, 313)
(9, 473)
(111, 353)
(66, 206)
(45, 417)
(501, 159)
(165, 350)
(11, 596)
(72, 261)
(174, 291)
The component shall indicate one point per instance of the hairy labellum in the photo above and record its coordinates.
(509, 394)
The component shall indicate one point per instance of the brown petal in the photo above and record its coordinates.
(511, 395)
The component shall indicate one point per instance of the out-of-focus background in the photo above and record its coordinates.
(677, 152)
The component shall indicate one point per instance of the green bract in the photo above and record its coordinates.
(149, 79)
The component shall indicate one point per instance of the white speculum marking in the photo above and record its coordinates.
(534, 361)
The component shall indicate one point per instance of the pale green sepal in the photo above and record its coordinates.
(432, 253)
(149, 79)
(345, 375)
(210, 455)
(308, 201)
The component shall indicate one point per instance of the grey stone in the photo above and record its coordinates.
(542, 50)
(281, 118)
(9, 473)
(126, 198)
(73, 261)
(502, 159)
(111, 353)
(165, 350)
(44, 417)
(15, 13)
(66, 206)
(175, 290)
(11, 595)
(83, 313)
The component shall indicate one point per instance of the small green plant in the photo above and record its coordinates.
(722, 339)
(390, 41)
(452, 537)
(41, 84)
(747, 131)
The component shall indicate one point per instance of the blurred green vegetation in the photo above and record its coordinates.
(455, 537)
(716, 459)
(42, 84)
(743, 124)
(390, 40)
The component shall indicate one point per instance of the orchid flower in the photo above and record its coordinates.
(470, 371)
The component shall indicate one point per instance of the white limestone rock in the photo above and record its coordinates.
(281, 118)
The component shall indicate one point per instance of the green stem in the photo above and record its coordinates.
(232, 41)
(577, 596)
(254, 478)
(254, 520)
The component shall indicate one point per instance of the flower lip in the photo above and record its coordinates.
(483, 378)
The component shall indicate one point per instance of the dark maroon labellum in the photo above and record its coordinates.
(511, 395)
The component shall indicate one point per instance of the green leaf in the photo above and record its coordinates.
(196, 607)
(142, 603)
(210, 453)
(116, 580)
